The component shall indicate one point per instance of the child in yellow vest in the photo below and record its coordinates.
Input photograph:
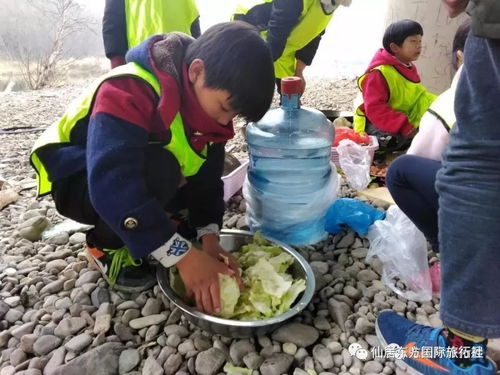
(394, 100)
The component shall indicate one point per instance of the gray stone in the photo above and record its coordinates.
(53, 287)
(339, 311)
(27, 342)
(78, 343)
(276, 364)
(180, 331)
(367, 275)
(23, 329)
(89, 277)
(69, 326)
(102, 360)
(32, 228)
(147, 321)
(123, 332)
(151, 367)
(129, 359)
(99, 296)
(77, 238)
(253, 360)
(129, 315)
(56, 264)
(363, 326)
(4, 308)
(13, 315)
(373, 367)
(210, 361)
(17, 357)
(300, 334)
(55, 361)
(352, 292)
(102, 324)
(172, 364)
(58, 239)
(323, 356)
(45, 344)
(151, 307)
(59, 254)
(239, 349)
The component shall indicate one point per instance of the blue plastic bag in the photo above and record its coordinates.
(355, 214)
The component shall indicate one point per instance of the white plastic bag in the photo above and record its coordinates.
(402, 248)
(355, 161)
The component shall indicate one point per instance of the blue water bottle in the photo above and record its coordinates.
(290, 182)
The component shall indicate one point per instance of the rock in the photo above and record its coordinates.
(102, 324)
(102, 360)
(77, 238)
(78, 343)
(180, 331)
(59, 254)
(129, 359)
(69, 326)
(352, 292)
(323, 356)
(173, 340)
(17, 357)
(123, 332)
(253, 360)
(334, 347)
(151, 367)
(12, 301)
(99, 296)
(147, 321)
(53, 287)
(55, 361)
(152, 307)
(339, 311)
(32, 229)
(129, 315)
(89, 277)
(58, 239)
(363, 326)
(373, 367)
(4, 308)
(239, 349)
(276, 364)
(172, 364)
(367, 275)
(210, 361)
(289, 348)
(27, 342)
(45, 344)
(23, 329)
(300, 334)
(56, 264)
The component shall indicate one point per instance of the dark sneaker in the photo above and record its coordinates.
(121, 271)
(421, 349)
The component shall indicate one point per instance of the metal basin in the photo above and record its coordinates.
(232, 240)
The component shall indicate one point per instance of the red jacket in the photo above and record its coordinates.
(376, 94)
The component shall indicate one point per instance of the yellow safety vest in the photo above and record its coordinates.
(60, 131)
(405, 96)
(312, 22)
(148, 17)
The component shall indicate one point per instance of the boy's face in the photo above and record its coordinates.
(214, 102)
(410, 49)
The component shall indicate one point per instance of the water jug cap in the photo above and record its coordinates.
(290, 85)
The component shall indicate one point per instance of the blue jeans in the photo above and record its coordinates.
(411, 180)
(469, 197)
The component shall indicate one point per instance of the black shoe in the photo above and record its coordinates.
(121, 271)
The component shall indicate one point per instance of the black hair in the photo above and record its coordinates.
(459, 41)
(398, 31)
(238, 60)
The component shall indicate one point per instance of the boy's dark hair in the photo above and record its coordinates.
(459, 41)
(237, 59)
(398, 31)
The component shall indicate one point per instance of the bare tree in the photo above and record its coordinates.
(39, 67)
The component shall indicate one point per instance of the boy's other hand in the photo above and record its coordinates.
(200, 273)
(212, 246)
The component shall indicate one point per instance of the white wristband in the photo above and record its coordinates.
(172, 251)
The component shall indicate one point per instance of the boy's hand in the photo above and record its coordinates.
(212, 247)
(299, 72)
(200, 274)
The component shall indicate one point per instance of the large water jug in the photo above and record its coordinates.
(290, 182)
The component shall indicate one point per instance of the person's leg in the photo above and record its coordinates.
(105, 248)
(411, 180)
(469, 220)
(469, 192)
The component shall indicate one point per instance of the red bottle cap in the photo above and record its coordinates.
(290, 85)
